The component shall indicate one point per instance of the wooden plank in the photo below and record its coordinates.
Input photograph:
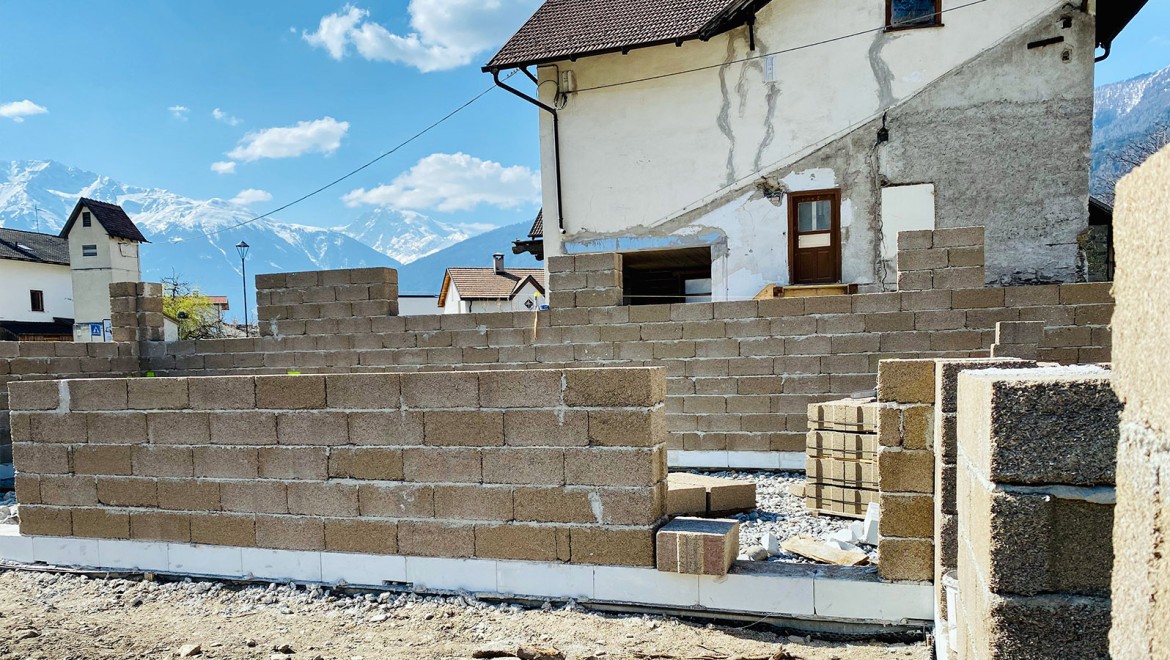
(823, 552)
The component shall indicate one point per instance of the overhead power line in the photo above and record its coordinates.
(338, 180)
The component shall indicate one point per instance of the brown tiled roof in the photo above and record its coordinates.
(537, 230)
(112, 218)
(487, 284)
(563, 29)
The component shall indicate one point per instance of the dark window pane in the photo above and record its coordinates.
(904, 13)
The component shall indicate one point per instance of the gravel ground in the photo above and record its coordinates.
(780, 512)
(8, 508)
(46, 616)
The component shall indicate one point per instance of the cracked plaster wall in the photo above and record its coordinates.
(1002, 131)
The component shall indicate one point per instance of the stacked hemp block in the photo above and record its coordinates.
(841, 451)
(540, 465)
(701, 495)
(696, 546)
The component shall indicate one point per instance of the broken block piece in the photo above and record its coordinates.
(723, 496)
(697, 546)
(685, 498)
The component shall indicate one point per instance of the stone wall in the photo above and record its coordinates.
(1036, 456)
(325, 302)
(545, 465)
(1141, 536)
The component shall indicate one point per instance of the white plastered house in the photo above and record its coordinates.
(788, 141)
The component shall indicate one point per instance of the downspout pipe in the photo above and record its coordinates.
(556, 133)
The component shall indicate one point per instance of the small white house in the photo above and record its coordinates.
(495, 289)
(36, 301)
(103, 248)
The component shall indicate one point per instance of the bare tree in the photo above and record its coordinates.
(1133, 154)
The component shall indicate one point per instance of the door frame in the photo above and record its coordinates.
(794, 199)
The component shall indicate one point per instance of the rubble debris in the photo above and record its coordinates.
(757, 553)
(539, 653)
(190, 650)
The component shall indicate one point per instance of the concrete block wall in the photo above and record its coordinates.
(941, 259)
(1036, 462)
(40, 360)
(325, 302)
(946, 459)
(585, 280)
(741, 374)
(549, 465)
(136, 311)
(1141, 535)
(1018, 339)
(905, 467)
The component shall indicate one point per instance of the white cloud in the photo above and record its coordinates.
(321, 135)
(179, 112)
(224, 117)
(224, 167)
(453, 182)
(18, 110)
(444, 33)
(251, 196)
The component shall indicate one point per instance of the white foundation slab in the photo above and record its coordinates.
(451, 574)
(14, 547)
(881, 601)
(742, 460)
(548, 580)
(63, 551)
(211, 560)
(281, 565)
(622, 584)
(778, 594)
(363, 570)
(795, 592)
(132, 555)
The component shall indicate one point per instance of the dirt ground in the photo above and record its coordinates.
(65, 617)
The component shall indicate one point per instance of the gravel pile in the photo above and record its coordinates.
(783, 514)
(8, 509)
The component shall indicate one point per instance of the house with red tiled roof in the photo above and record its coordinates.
(494, 289)
(765, 142)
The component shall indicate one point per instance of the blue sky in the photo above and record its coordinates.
(301, 93)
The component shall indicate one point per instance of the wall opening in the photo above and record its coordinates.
(656, 277)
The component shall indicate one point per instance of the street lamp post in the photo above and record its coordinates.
(242, 248)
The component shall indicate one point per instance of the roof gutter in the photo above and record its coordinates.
(556, 133)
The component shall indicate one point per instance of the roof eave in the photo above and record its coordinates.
(492, 67)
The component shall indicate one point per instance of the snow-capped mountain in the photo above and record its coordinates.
(405, 236)
(194, 238)
(1126, 113)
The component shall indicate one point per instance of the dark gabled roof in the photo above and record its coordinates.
(537, 230)
(568, 29)
(111, 216)
(17, 245)
(1113, 16)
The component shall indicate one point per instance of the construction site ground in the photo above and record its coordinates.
(53, 616)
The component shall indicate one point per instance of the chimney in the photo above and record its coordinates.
(498, 262)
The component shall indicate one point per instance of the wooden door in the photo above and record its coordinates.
(814, 230)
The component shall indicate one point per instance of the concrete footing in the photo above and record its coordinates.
(793, 592)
